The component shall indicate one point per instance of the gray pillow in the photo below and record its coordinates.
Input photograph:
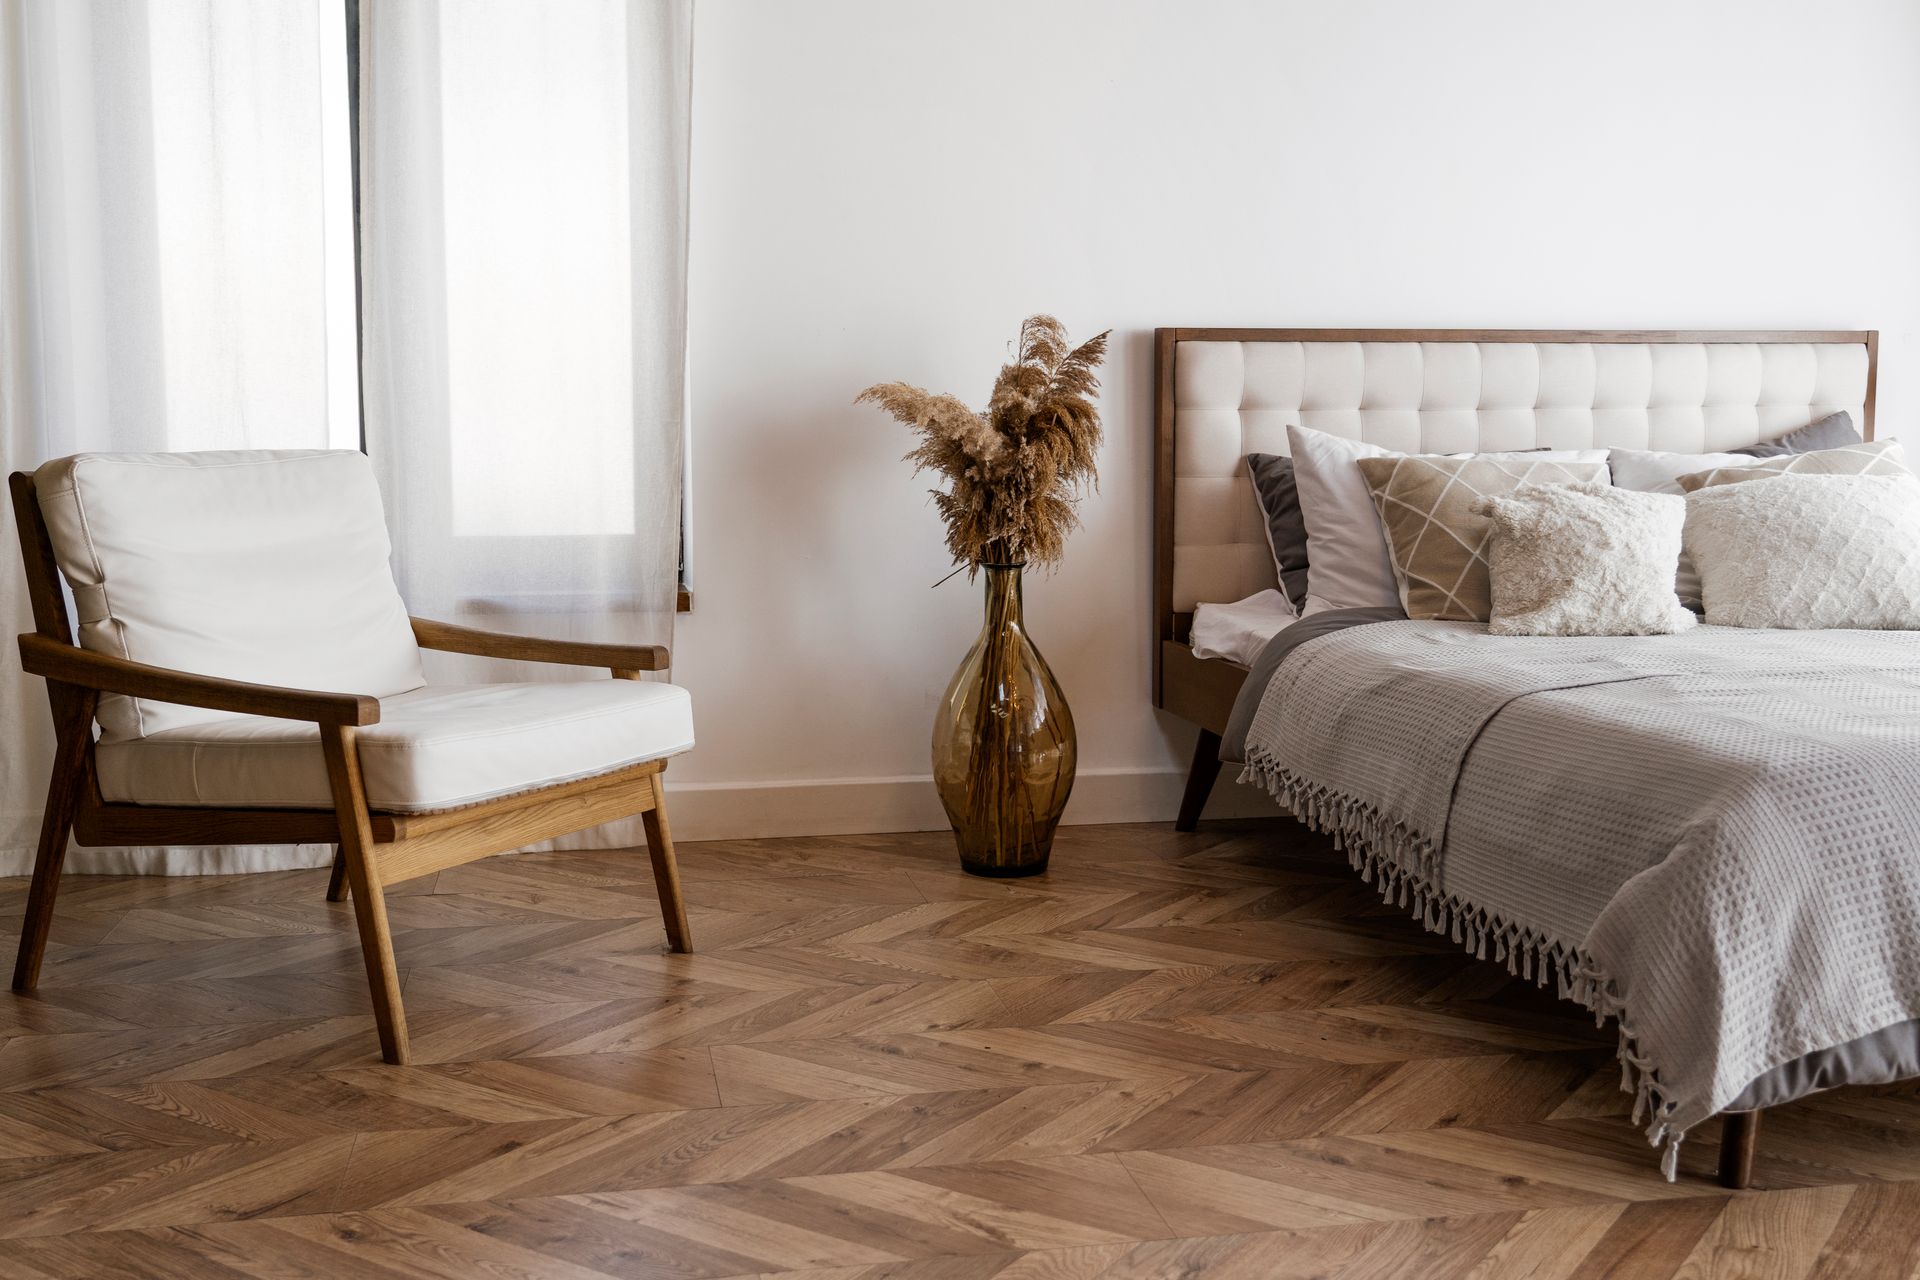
(1831, 432)
(1279, 500)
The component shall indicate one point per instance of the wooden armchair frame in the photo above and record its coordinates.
(372, 849)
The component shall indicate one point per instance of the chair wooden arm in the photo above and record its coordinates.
(66, 664)
(448, 638)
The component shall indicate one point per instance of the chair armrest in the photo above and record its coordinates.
(448, 638)
(66, 664)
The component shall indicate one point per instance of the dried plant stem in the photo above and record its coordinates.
(1015, 470)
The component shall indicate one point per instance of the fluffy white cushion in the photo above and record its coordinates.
(258, 565)
(1348, 564)
(1649, 471)
(435, 748)
(1584, 560)
(1809, 551)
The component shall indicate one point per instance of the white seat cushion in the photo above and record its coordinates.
(261, 565)
(437, 747)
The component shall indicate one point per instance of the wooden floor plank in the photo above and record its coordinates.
(1651, 1239)
(1877, 1235)
(1212, 1054)
(1774, 1235)
(1547, 1244)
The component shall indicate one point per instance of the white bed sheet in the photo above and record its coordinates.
(1238, 631)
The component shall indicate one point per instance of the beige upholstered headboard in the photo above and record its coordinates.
(1224, 393)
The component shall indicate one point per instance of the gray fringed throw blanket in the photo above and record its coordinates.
(1712, 837)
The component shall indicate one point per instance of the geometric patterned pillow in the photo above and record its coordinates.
(1877, 458)
(1437, 544)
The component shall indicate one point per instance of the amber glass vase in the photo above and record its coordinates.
(1003, 744)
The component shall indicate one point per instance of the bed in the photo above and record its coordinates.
(1739, 1013)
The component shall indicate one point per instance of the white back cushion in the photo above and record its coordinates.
(1236, 398)
(257, 565)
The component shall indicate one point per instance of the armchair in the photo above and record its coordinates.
(255, 678)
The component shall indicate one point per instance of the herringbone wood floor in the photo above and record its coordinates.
(1175, 1056)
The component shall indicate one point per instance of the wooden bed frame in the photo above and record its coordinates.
(1203, 690)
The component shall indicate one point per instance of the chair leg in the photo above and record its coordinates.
(56, 825)
(369, 901)
(666, 872)
(1739, 1136)
(1200, 778)
(337, 879)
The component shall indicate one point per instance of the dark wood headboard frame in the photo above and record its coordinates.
(1203, 690)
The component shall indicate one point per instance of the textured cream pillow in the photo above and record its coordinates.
(1870, 458)
(1435, 541)
(1584, 560)
(1809, 551)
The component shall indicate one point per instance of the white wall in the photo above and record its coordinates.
(883, 189)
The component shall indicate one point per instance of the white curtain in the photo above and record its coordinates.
(176, 272)
(523, 233)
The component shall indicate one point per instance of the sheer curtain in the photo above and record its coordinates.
(523, 228)
(176, 272)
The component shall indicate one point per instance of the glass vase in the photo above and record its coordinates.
(1003, 743)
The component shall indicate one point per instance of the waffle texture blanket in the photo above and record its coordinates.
(1713, 837)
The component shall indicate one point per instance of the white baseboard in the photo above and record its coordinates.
(860, 806)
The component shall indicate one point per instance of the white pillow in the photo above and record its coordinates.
(1583, 560)
(1648, 471)
(1809, 551)
(1347, 562)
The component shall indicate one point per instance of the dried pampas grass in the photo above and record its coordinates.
(1014, 472)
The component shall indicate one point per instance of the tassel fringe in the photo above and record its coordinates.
(1403, 867)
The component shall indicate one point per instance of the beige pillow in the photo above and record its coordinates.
(1869, 458)
(1584, 560)
(1435, 540)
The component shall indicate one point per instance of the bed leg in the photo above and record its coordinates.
(1739, 1132)
(1206, 767)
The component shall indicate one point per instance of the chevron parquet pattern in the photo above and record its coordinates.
(1205, 1055)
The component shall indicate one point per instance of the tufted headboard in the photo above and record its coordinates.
(1221, 394)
